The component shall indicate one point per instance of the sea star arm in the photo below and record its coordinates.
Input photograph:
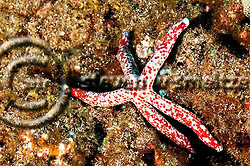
(161, 124)
(126, 59)
(116, 97)
(153, 66)
(105, 99)
(185, 117)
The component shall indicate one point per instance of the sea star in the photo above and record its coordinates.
(145, 99)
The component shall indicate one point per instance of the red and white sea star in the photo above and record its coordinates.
(145, 99)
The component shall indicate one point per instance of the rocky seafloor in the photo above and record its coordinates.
(85, 35)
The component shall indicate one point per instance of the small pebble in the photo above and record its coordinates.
(77, 68)
(72, 134)
(162, 92)
(165, 72)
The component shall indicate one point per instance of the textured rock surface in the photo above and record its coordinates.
(87, 34)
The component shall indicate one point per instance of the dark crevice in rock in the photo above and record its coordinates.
(233, 46)
(149, 158)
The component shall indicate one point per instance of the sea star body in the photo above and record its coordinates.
(145, 99)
